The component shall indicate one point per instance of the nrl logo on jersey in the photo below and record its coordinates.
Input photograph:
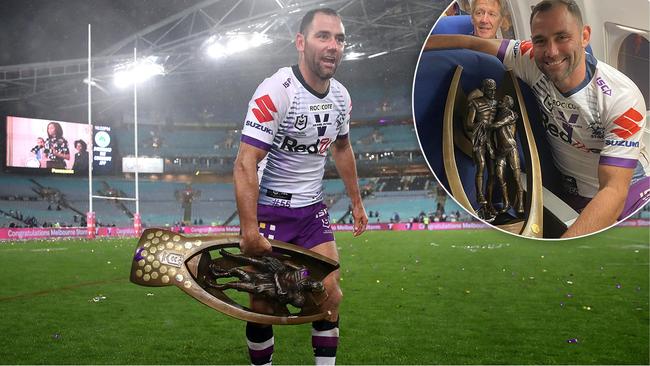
(301, 122)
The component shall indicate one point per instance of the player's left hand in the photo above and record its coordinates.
(360, 219)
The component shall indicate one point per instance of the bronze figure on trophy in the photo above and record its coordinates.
(481, 133)
(481, 110)
(285, 283)
(491, 126)
(290, 277)
(502, 132)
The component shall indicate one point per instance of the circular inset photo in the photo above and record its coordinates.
(532, 114)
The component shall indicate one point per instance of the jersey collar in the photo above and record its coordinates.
(296, 71)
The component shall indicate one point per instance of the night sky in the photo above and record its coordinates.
(52, 30)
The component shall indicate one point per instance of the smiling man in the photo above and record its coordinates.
(294, 118)
(593, 114)
(487, 16)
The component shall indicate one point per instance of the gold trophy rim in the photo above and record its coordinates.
(533, 223)
(190, 286)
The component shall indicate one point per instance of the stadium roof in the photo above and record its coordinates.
(44, 63)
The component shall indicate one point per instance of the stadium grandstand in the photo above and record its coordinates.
(189, 119)
(396, 184)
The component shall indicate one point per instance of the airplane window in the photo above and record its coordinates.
(633, 61)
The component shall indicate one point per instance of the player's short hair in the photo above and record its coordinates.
(309, 17)
(547, 5)
(502, 8)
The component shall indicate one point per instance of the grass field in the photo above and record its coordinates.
(449, 297)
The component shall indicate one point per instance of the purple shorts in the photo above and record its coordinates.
(637, 196)
(303, 226)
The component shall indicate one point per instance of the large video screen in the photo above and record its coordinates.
(56, 146)
(103, 150)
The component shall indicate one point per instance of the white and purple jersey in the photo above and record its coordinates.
(296, 125)
(601, 121)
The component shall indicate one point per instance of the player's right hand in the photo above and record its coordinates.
(255, 244)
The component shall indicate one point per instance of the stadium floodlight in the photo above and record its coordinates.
(137, 72)
(237, 43)
(93, 82)
(378, 54)
(215, 49)
(349, 56)
(231, 43)
(258, 39)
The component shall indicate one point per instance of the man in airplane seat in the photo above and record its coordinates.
(594, 115)
(486, 16)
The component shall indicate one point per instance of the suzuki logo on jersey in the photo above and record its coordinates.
(259, 127)
(301, 122)
(603, 86)
(623, 143)
(320, 147)
(266, 106)
(628, 123)
(321, 107)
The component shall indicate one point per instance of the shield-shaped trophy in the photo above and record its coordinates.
(484, 140)
(210, 269)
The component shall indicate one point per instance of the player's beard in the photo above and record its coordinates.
(559, 75)
(317, 64)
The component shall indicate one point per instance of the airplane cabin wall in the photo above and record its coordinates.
(605, 39)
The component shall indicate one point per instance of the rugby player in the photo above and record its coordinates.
(294, 118)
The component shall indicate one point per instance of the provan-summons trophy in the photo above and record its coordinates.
(208, 269)
(486, 126)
